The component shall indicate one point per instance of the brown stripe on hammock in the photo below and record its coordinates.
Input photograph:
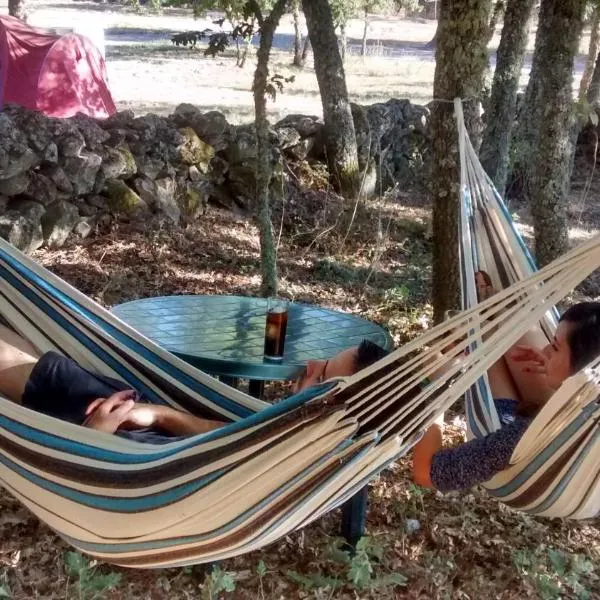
(252, 527)
(287, 424)
(534, 491)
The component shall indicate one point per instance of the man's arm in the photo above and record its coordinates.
(177, 422)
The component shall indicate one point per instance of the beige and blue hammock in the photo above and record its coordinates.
(275, 468)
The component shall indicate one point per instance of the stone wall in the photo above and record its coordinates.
(60, 177)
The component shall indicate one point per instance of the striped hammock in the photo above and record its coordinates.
(555, 469)
(273, 469)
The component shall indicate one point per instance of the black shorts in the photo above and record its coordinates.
(60, 388)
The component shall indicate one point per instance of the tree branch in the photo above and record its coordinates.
(253, 4)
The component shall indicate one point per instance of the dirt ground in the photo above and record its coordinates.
(453, 546)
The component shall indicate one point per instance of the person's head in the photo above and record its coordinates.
(576, 342)
(343, 364)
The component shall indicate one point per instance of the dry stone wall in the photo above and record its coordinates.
(61, 177)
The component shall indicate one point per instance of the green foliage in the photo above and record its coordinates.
(276, 84)
(217, 582)
(90, 584)
(555, 572)
(358, 569)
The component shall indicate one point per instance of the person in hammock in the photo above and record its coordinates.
(57, 386)
(521, 382)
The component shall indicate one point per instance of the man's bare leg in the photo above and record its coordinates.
(17, 359)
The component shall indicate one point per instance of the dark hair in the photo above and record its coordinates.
(368, 352)
(584, 335)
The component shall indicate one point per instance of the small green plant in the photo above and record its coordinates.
(89, 584)
(217, 582)
(261, 571)
(358, 569)
(554, 573)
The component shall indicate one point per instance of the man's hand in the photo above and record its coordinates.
(108, 414)
(537, 361)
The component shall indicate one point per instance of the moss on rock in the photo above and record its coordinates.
(194, 151)
(122, 199)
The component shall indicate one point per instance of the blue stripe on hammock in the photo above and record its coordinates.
(116, 504)
(106, 358)
(56, 442)
(563, 437)
(119, 548)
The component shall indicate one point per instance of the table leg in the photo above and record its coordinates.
(354, 516)
(232, 381)
(256, 388)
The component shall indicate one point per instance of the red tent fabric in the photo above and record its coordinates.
(57, 75)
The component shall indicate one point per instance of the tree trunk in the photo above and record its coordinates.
(343, 41)
(593, 92)
(499, 8)
(501, 110)
(16, 8)
(592, 53)
(298, 62)
(340, 138)
(305, 49)
(524, 134)
(365, 32)
(461, 59)
(555, 140)
(264, 171)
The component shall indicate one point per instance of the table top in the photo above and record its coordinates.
(224, 335)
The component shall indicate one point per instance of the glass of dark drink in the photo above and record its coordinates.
(277, 317)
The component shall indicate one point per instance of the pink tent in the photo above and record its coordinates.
(57, 75)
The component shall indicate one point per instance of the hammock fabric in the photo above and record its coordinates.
(273, 469)
(555, 469)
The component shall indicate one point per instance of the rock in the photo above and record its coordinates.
(121, 119)
(81, 171)
(411, 526)
(194, 174)
(123, 200)
(97, 201)
(165, 201)
(145, 188)
(85, 226)
(21, 226)
(194, 151)
(42, 189)
(118, 163)
(241, 184)
(91, 131)
(59, 178)
(301, 150)
(193, 201)
(288, 137)
(306, 126)
(58, 222)
(16, 165)
(149, 166)
(3, 203)
(15, 185)
(243, 148)
(50, 154)
(85, 209)
(72, 144)
(212, 127)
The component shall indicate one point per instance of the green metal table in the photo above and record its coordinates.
(224, 336)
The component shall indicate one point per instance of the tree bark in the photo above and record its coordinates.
(16, 8)
(524, 134)
(340, 138)
(593, 92)
(365, 33)
(499, 8)
(264, 172)
(343, 41)
(461, 60)
(592, 53)
(305, 49)
(552, 158)
(501, 110)
(298, 62)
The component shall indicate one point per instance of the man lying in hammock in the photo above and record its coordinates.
(57, 386)
(521, 383)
